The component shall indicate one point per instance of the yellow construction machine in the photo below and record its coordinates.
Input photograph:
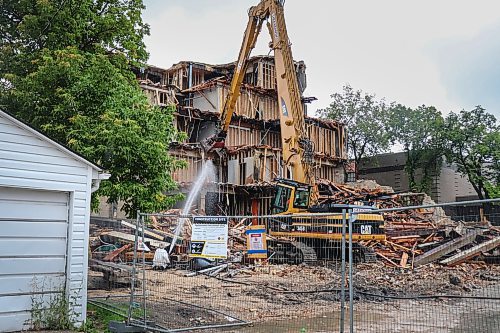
(302, 238)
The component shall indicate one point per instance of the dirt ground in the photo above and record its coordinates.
(284, 298)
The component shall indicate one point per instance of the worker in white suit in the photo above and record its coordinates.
(161, 260)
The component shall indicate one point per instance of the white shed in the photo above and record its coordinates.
(45, 191)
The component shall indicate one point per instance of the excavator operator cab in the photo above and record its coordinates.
(291, 197)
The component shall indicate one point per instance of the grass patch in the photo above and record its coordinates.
(98, 319)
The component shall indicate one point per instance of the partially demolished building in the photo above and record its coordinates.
(246, 169)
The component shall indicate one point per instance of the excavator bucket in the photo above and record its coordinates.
(213, 142)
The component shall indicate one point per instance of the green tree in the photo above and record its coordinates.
(65, 69)
(112, 27)
(472, 142)
(417, 131)
(492, 170)
(365, 117)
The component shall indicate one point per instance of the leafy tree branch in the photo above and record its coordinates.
(58, 72)
(365, 118)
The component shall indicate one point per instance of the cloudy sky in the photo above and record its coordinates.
(444, 53)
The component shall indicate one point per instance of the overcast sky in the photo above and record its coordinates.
(444, 53)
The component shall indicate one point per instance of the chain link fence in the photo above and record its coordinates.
(110, 274)
(493, 218)
(404, 269)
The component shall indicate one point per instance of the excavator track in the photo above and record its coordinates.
(292, 252)
(308, 254)
(367, 254)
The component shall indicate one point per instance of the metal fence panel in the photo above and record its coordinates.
(415, 270)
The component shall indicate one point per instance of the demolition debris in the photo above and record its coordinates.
(425, 254)
(413, 237)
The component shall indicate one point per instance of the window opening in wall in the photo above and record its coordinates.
(337, 143)
(243, 167)
(350, 177)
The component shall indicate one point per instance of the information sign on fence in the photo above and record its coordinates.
(209, 237)
(141, 246)
(256, 241)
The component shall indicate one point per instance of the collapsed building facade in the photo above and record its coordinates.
(253, 155)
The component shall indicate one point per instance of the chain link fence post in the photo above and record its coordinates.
(343, 277)
(134, 268)
(351, 263)
(143, 271)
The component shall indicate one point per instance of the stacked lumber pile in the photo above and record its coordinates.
(160, 231)
(416, 250)
(344, 194)
(112, 244)
(114, 274)
(409, 234)
(416, 237)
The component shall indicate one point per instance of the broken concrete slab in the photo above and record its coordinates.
(446, 248)
(472, 252)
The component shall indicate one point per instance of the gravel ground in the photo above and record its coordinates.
(284, 298)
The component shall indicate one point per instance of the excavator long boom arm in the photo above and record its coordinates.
(257, 15)
(297, 148)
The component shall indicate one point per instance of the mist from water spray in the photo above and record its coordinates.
(207, 174)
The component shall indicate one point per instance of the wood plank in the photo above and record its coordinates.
(446, 248)
(131, 238)
(113, 254)
(472, 252)
(389, 260)
(108, 266)
(404, 260)
(398, 246)
(146, 231)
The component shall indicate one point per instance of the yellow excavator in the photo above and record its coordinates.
(302, 239)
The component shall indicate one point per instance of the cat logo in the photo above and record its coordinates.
(275, 26)
(366, 229)
(283, 107)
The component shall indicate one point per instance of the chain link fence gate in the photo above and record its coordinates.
(294, 289)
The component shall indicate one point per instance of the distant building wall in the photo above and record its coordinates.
(453, 185)
(386, 169)
(389, 169)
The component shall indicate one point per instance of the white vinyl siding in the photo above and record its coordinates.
(33, 248)
(32, 164)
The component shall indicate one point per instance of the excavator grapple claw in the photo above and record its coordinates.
(213, 142)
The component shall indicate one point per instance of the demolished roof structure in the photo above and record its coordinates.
(253, 158)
